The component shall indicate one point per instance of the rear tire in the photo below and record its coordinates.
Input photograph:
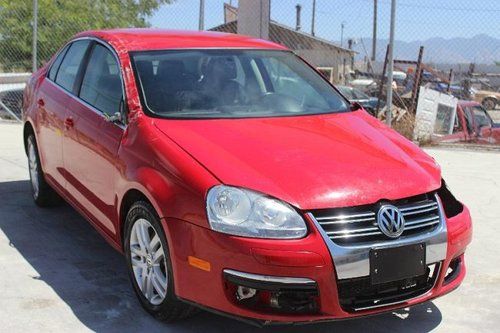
(149, 265)
(43, 194)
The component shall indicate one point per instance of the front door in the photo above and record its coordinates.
(90, 150)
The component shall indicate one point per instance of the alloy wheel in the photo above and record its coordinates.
(148, 261)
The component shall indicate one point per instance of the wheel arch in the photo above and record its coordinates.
(146, 184)
(130, 197)
(27, 130)
(492, 98)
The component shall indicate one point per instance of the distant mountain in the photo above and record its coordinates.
(481, 49)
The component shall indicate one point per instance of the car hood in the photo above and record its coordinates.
(487, 93)
(311, 162)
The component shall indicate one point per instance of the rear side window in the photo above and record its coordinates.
(68, 70)
(56, 64)
(101, 85)
(480, 116)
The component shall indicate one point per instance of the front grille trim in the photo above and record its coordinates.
(359, 224)
(362, 215)
(352, 259)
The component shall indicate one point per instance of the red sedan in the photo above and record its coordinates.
(472, 124)
(236, 179)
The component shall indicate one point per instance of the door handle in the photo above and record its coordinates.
(68, 122)
(40, 102)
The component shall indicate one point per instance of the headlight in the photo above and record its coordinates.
(241, 212)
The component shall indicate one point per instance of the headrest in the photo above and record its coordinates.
(222, 68)
(145, 68)
(170, 68)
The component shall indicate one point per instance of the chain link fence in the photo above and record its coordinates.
(346, 40)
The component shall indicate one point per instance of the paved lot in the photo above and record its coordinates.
(57, 274)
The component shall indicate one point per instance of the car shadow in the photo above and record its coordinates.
(90, 277)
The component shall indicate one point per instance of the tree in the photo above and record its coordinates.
(58, 20)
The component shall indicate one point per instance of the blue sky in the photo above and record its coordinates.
(416, 19)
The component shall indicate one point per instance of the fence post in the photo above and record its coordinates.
(201, 18)
(390, 63)
(35, 36)
(374, 41)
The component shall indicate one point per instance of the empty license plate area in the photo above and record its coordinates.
(397, 263)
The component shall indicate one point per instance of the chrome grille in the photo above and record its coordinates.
(359, 224)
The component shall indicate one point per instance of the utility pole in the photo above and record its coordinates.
(201, 21)
(313, 21)
(374, 41)
(390, 61)
(35, 36)
(350, 43)
(342, 25)
(298, 10)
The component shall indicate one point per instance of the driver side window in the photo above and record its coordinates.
(480, 117)
(102, 85)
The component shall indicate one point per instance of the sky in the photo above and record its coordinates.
(415, 19)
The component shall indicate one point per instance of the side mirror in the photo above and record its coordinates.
(117, 116)
(355, 106)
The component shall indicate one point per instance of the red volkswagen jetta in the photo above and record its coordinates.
(236, 179)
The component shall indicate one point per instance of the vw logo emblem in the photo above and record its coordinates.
(390, 221)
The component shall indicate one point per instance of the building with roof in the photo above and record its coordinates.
(333, 61)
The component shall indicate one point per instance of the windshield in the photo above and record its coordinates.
(353, 93)
(347, 91)
(231, 84)
(360, 95)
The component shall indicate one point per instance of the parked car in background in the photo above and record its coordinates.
(367, 85)
(489, 99)
(356, 95)
(472, 124)
(234, 178)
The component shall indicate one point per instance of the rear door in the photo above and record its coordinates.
(52, 100)
(90, 151)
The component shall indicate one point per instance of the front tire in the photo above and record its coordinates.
(149, 264)
(43, 194)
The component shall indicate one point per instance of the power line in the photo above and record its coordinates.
(421, 6)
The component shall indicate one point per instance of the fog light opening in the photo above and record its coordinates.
(245, 293)
(453, 270)
(282, 300)
(272, 297)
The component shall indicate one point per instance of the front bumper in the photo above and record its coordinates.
(306, 259)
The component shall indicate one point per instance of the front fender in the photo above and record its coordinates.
(174, 183)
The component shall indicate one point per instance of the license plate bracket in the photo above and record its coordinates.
(397, 263)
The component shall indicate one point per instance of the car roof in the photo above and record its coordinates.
(142, 39)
